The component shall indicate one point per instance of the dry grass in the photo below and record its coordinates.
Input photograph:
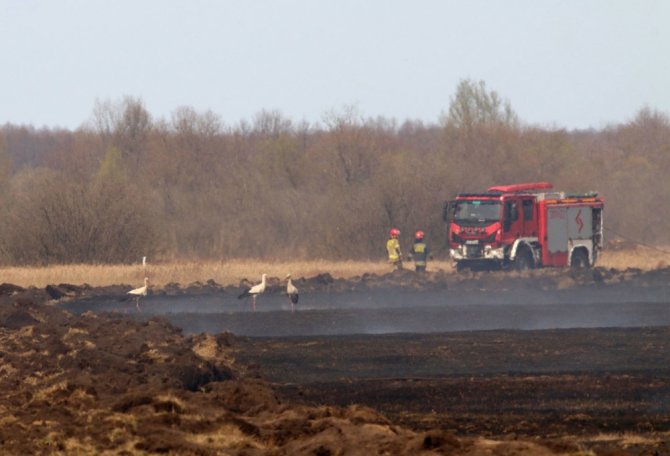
(627, 439)
(226, 273)
(638, 257)
(231, 272)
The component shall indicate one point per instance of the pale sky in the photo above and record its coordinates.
(561, 64)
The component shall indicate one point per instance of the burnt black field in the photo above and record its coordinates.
(402, 310)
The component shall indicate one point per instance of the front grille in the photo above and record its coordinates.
(473, 251)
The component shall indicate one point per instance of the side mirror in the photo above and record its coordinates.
(507, 216)
(448, 211)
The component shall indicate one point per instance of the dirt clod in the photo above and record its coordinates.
(108, 383)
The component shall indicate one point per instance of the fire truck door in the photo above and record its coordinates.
(512, 223)
(529, 217)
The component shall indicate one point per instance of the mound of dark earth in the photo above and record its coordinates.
(545, 279)
(96, 383)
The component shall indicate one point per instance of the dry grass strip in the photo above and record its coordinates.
(231, 272)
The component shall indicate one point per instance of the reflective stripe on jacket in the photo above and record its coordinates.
(420, 253)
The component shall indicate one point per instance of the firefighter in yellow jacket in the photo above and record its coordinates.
(393, 249)
(419, 252)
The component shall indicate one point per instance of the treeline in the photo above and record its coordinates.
(125, 185)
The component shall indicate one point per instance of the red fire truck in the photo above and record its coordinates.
(525, 226)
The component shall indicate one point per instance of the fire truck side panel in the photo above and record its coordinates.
(555, 249)
(557, 229)
(579, 222)
(566, 227)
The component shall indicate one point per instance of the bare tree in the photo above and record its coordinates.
(350, 142)
(125, 124)
(54, 220)
(474, 105)
(271, 123)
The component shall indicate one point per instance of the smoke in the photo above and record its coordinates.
(386, 311)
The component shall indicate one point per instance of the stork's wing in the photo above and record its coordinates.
(256, 289)
(244, 294)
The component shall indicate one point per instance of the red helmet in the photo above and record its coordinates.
(395, 232)
(419, 235)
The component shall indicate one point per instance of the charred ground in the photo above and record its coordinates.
(92, 381)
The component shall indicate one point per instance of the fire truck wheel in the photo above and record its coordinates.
(523, 260)
(580, 259)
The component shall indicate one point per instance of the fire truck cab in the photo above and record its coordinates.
(524, 226)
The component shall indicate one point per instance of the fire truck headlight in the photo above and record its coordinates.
(490, 239)
(457, 239)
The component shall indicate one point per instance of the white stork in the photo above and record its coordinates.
(254, 291)
(292, 292)
(139, 292)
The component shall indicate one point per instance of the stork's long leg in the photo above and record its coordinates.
(253, 303)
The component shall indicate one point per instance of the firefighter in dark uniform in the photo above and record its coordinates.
(419, 252)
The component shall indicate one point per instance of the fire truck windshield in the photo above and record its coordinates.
(477, 211)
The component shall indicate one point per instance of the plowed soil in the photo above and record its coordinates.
(547, 362)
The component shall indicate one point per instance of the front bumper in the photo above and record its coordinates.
(476, 252)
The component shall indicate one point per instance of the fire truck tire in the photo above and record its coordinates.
(523, 260)
(579, 260)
